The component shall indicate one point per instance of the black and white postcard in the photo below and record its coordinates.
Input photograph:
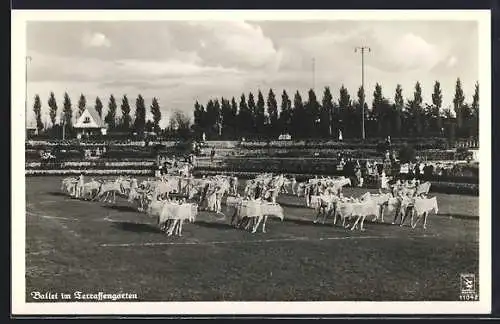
(251, 162)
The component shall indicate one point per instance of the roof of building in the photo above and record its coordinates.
(95, 116)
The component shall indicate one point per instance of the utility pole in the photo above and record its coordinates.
(63, 119)
(313, 73)
(27, 58)
(219, 123)
(362, 49)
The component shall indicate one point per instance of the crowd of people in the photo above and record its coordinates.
(166, 163)
(388, 171)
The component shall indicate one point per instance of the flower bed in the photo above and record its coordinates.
(33, 165)
(418, 143)
(99, 160)
(355, 152)
(125, 164)
(119, 154)
(144, 172)
(90, 165)
(222, 144)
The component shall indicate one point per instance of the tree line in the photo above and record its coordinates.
(124, 123)
(259, 118)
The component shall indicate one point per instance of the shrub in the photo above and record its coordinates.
(88, 172)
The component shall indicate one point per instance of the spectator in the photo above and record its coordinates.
(380, 169)
(416, 170)
(212, 155)
(258, 190)
(364, 170)
(359, 177)
(428, 171)
(393, 156)
(410, 170)
(383, 180)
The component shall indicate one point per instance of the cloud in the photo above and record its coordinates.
(95, 40)
(452, 61)
(411, 52)
(139, 84)
(71, 69)
(169, 68)
(183, 61)
(236, 44)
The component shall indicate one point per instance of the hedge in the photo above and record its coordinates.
(330, 152)
(93, 164)
(418, 143)
(354, 144)
(320, 166)
(60, 166)
(144, 172)
(439, 187)
(116, 154)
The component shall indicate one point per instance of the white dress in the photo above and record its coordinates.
(383, 181)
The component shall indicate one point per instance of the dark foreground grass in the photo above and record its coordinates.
(74, 245)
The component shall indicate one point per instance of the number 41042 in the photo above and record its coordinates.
(469, 297)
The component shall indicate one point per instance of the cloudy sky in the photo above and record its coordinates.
(183, 61)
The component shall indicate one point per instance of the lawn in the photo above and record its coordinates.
(74, 245)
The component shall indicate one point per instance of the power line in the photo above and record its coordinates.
(362, 49)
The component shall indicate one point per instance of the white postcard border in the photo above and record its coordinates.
(18, 50)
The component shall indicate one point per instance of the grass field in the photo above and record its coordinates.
(74, 245)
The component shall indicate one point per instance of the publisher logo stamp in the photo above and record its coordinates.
(468, 287)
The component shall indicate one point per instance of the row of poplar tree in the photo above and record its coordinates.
(260, 118)
(124, 123)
